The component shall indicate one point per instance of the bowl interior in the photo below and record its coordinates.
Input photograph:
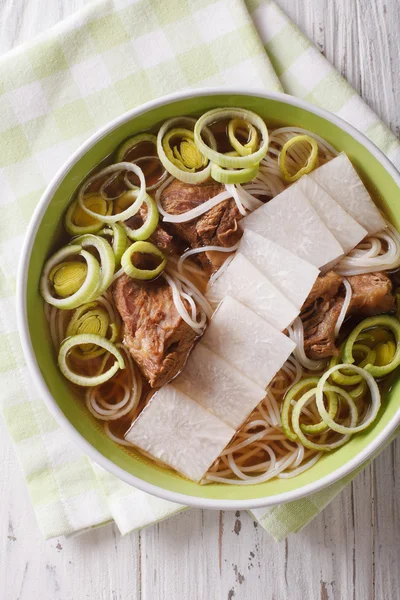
(381, 185)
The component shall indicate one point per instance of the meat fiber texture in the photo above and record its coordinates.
(244, 282)
(343, 226)
(339, 178)
(179, 432)
(290, 221)
(292, 275)
(218, 387)
(157, 337)
(247, 342)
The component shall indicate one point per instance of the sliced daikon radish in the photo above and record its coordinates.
(290, 221)
(292, 275)
(218, 387)
(339, 178)
(179, 432)
(244, 282)
(343, 227)
(247, 342)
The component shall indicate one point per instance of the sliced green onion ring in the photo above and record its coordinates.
(231, 162)
(94, 202)
(223, 175)
(299, 407)
(251, 145)
(287, 405)
(68, 277)
(343, 378)
(142, 248)
(92, 339)
(107, 261)
(153, 186)
(119, 240)
(373, 410)
(311, 161)
(382, 321)
(94, 319)
(137, 195)
(149, 225)
(187, 157)
(171, 165)
(87, 289)
(132, 142)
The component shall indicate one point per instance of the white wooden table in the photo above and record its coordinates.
(351, 551)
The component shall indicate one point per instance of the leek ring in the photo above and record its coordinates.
(382, 321)
(149, 225)
(231, 162)
(86, 290)
(98, 340)
(171, 163)
(132, 142)
(143, 248)
(311, 161)
(137, 195)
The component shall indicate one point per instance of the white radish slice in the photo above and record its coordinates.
(343, 227)
(292, 275)
(244, 282)
(247, 342)
(290, 221)
(339, 178)
(179, 432)
(218, 387)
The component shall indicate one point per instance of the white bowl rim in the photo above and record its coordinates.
(22, 317)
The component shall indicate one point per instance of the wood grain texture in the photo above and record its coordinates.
(349, 552)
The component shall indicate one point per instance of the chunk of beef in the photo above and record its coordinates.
(160, 238)
(371, 294)
(155, 334)
(319, 315)
(217, 227)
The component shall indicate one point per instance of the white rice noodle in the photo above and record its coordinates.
(274, 468)
(265, 184)
(368, 256)
(345, 307)
(271, 404)
(198, 318)
(296, 333)
(192, 290)
(188, 253)
(247, 199)
(300, 469)
(232, 191)
(294, 369)
(97, 401)
(116, 439)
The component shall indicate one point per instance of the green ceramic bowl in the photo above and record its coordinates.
(380, 177)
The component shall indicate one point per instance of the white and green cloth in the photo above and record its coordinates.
(57, 90)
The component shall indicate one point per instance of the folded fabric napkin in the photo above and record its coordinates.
(54, 92)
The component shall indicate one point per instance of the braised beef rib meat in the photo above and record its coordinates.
(371, 295)
(155, 334)
(217, 227)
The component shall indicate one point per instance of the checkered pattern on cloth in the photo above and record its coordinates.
(54, 92)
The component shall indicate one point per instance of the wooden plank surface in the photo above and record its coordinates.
(351, 551)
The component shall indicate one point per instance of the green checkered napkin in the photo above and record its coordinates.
(57, 90)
